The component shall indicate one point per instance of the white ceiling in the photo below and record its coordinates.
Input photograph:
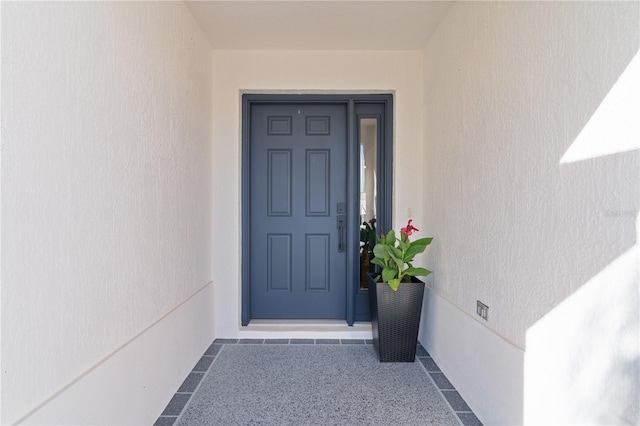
(318, 24)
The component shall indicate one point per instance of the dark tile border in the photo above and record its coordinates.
(447, 390)
(276, 341)
(224, 341)
(190, 384)
(302, 341)
(250, 341)
(213, 349)
(327, 341)
(441, 381)
(219, 342)
(352, 341)
(177, 403)
(165, 421)
(429, 364)
(203, 364)
(456, 401)
(469, 419)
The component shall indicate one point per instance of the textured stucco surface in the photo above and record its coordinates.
(509, 86)
(106, 183)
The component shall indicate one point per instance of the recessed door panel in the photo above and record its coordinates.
(318, 182)
(279, 263)
(318, 253)
(279, 182)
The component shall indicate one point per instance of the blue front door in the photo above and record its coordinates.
(298, 201)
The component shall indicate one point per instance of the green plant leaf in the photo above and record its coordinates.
(417, 272)
(391, 238)
(399, 263)
(417, 246)
(394, 283)
(395, 252)
(422, 242)
(408, 259)
(378, 261)
(381, 250)
(388, 274)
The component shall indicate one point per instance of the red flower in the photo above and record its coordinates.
(408, 230)
(372, 220)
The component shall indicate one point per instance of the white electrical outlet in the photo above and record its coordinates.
(409, 212)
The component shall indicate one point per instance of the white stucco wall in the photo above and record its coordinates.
(310, 72)
(509, 88)
(106, 203)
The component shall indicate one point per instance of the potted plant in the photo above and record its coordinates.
(395, 295)
(368, 240)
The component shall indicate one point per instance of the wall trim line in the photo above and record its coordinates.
(109, 356)
(494, 332)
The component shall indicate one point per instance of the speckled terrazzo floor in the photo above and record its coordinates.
(312, 383)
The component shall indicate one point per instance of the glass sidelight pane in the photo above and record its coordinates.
(368, 160)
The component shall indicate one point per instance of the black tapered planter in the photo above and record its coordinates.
(395, 319)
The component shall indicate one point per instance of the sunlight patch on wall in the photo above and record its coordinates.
(588, 349)
(582, 360)
(615, 126)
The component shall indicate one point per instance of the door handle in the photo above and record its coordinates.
(341, 220)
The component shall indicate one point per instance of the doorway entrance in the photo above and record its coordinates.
(302, 203)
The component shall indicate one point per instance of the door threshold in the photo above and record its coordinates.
(304, 329)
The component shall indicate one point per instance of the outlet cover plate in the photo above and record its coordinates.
(482, 310)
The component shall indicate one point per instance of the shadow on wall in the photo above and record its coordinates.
(582, 363)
